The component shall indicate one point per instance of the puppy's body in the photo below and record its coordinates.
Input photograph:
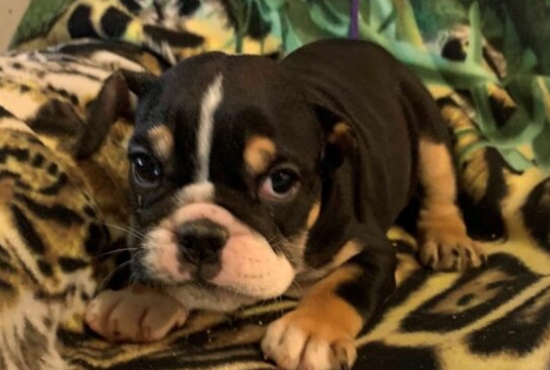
(368, 95)
(253, 179)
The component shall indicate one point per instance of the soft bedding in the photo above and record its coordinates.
(62, 216)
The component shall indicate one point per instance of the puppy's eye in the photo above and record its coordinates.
(146, 170)
(281, 185)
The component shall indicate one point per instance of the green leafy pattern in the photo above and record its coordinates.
(409, 29)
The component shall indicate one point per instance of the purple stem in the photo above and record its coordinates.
(354, 19)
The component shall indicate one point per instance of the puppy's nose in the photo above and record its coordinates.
(200, 242)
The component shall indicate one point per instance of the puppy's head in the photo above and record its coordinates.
(225, 175)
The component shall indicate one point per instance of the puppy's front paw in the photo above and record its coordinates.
(134, 315)
(445, 244)
(300, 341)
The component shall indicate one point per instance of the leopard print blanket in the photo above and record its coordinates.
(62, 220)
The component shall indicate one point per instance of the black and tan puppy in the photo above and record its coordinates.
(253, 179)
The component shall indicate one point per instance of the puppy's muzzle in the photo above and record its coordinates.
(205, 244)
(200, 243)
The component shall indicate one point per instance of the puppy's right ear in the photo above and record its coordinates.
(340, 141)
(113, 101)
(140, 83)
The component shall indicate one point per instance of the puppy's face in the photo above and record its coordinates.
(224, 174)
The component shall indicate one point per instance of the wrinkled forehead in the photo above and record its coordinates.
(226, 110)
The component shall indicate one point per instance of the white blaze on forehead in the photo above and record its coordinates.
(194, 193)
(209, 105)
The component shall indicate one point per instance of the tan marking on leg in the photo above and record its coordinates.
(436, 173)
(313, 214)
(322, 302)
(320, 332)
(445, 244)
(259, 153)
(305, 280)
(162, 141)
(349, 250)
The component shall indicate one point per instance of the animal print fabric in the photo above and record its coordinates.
(60, 227)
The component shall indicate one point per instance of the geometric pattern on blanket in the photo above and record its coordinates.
(494, 318)
(487, 318)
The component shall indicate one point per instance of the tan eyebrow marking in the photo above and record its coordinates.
(258, 154)
(162, 141)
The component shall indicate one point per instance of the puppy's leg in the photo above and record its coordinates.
(445, 244)
(319, 334)
(137, 314)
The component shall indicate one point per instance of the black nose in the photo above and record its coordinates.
(201, 241)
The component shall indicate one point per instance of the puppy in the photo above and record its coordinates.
(253, 179)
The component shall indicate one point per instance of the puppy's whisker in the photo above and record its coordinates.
(132, 283)
(110, 274)
(135, 274)
(279, 299)
(276, 244)
(126, 229)
(297, 285)
(117, 251)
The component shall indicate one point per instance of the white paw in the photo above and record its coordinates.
(299, 342)
(134, 315)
